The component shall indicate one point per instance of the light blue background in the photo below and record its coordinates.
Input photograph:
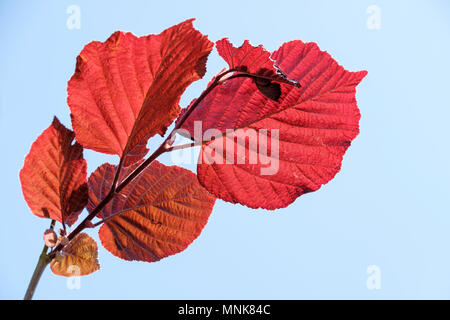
(387, 207)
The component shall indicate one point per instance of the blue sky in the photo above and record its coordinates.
(387, 207)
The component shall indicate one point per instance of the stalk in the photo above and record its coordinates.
(42, 263)
(44, 258)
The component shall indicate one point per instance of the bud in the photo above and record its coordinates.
(50, 238)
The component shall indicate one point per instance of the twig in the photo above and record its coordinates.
(42, 263)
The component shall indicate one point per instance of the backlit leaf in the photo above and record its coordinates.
(78, 258)
(315, 124)
(158, 214)
(53, 176)
(255, 61)
(126, 89)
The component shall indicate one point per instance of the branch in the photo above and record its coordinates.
(164, 147)
(161, 149)
(42, 263)
(116, 187)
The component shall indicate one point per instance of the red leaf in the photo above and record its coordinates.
(316, 124)
(126, 89)
(53, 176)
(246, 57)
(256, 61)
(158, 214)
